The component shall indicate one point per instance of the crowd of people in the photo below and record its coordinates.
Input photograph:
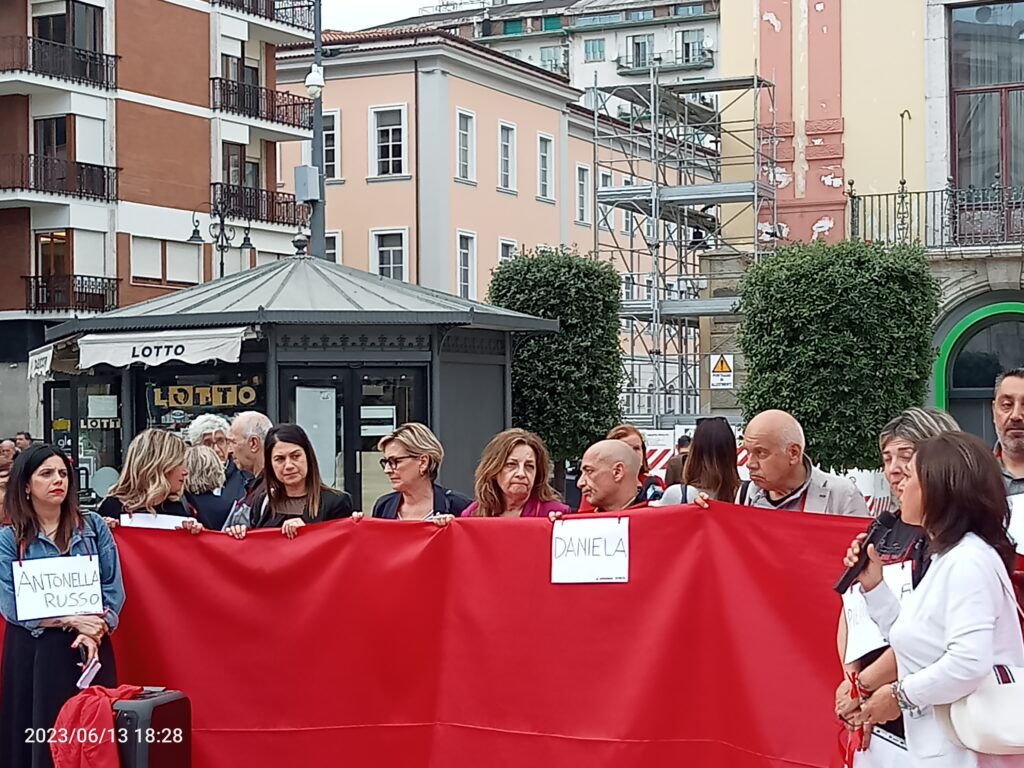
(251, 474)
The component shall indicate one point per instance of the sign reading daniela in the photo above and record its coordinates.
(590, 550)
(57, 586)
(157, 347)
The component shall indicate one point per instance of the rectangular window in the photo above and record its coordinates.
(640, 50)
(184, 263)
(506, 250)
(332, 247)
(389, 251)
(466, 278)
(332, 154)
(147, 259)
(51, 137)
(545, 166)
(233, 163)
(53, 256)
(551, 58)
(583, 193)
(643, 15)
(593, 50)
(552, 23)
(388, 150)
(86, 27)
(690, 9)
(987, 78)
(514, 27)
(515, 53)
(507, 156)
(690, 46)
(599, 19)
(628, 218)
(605, 211)
(628, 288)
(465, 156)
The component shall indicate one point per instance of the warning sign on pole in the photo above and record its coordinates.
(722, 376)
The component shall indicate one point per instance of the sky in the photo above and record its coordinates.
(350, 15)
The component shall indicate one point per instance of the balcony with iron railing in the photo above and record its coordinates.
(937, 219)
(261, 103)
(294, 13)
(70, 293)
(252, 204)
(57, 60)
(666, 61)
(52, 175)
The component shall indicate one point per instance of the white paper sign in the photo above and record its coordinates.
(102, 406)
(862, 634)
(149, 520)
(57, 586)
(590, 550)
(1016, 528)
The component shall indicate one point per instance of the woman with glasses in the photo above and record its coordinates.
(412, 459)
(296, 496)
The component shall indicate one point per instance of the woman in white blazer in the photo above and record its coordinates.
(961, 620)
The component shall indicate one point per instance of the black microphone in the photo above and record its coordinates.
(876, 533)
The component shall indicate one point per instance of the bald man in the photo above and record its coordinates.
(782, 477)
(608, 476)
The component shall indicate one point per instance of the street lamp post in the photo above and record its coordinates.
(315, 84)
(222, 233)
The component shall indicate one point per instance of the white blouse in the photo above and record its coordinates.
(952, 629)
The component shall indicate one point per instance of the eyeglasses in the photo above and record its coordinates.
(392, 462)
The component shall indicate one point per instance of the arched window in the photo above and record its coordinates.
(988, 351)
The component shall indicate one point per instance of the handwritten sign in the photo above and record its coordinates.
(590, 550)
(57, 586)
(862, 634)
(1016, 529)
(149, 520)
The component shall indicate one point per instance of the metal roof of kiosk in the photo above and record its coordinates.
(301, 290)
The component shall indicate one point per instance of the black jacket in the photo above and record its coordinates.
(334, 505)
(213, 506)
(446, 502)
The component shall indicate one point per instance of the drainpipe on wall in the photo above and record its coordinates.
(416, 134)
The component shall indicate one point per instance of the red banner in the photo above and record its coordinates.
(382, 643)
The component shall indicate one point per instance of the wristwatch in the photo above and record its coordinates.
(905, 704)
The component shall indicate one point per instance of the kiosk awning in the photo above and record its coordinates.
(158, 347)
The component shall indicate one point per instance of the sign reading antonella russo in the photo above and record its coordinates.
(48, 587)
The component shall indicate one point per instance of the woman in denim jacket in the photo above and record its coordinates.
(41, 662)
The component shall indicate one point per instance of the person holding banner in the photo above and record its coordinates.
(512, 478)
(648, 487)
(961, 620)
(62, 557)
(152, 482)
(296, 496)
(607, 481)
(865, 657)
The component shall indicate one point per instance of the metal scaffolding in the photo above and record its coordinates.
(691, 166)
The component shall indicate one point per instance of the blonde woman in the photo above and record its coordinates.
(412, 459)
(204, 486)
(512, 478)
(152, 481)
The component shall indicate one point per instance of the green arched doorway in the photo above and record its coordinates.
(983, 343)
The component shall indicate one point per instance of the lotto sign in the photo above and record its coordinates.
(722, 376)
